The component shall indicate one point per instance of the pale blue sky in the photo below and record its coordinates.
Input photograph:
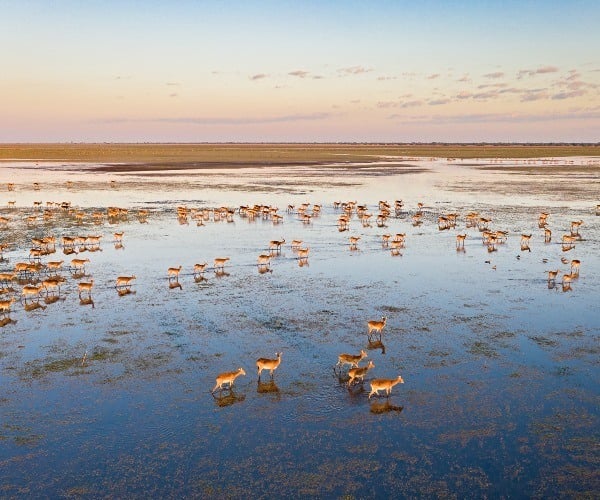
(299, 71)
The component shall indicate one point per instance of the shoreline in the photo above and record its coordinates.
(219, 155)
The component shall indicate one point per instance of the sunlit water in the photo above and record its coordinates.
(501, 370)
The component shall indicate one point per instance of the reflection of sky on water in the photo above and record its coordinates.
(492, 358)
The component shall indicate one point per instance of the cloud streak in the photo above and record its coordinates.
(250, 120)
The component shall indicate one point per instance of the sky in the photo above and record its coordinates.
(301, 71)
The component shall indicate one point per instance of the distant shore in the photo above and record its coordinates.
(244, 155)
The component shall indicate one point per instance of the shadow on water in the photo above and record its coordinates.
(227, 397)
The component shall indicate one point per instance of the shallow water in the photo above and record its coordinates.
(500, 395)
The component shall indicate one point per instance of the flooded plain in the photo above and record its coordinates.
(109, 394)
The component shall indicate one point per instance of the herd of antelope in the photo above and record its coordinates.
(41, 279)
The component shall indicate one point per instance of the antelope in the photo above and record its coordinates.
(276, 244)
(118, 236)
(36, 186)
(124, 281)
(525, 242)
(268, 364)
(568, 241)
(4, 221)
(354, 242)
(199, 268)
(575, 263)
(54, 265)
(10, 186)
(380, 384)
(303, 253)
(6, 277)
(31, 290)
(349, 359)
(79, 264)
(264, 260)
(547, 235)
(51, 283)
(295, 244)
(227, 378)
(597, 209)
(11, 204)
(173, 272)
(85, 286)
(552, 275)
(575, 226)
(567, 278)
(5, 305)
(376, 326)
(359, 373)
(395, 247)
(460, 240)
(219, 263)
(385, 239)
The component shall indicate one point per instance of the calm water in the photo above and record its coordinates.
(501, 371)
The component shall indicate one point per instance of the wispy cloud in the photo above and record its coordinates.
(438, 102)
(539, 71)
(568, 95)
(412, 104)
(496, 74)
(174, 94)
(251, 120)
(496, 117)
(385, 78)
(354, 70)
(258, 76)
(534, 95)
(433, 76)
(172, 84)
(298, 73)
(465, 78)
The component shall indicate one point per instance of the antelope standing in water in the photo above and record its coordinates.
(460, 240)
(376, 326)
(552, 275)
(199, 269)
(263, 261)
(547, 235)
(79, 264)
(173, 272)
(85, 286)
(124, 281)
(5, 306)
(354, 242)
(268, 364)
(350, 359)
(542, 220)
(575, 227)
(219, 263)
(359, 373)
(384, 384)
(525, 242)
(227, 378)
(303, 254)
(31, 291)
(275, 245)
(575, 263)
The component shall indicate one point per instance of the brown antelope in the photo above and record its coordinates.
(542, 220)
(124, 281)
(219, 263)
(10, 186)
(173, 272)
(460, 240)
(359, 373)
(376, 326)
(199, 268)
(385, 239)
(31, 290)
(552, 275)
(384, 384)
(525, 242)
(547, 235)
(350, 359)
(568, 242)
(5, 305)
(268, 364)
(295, 244)
(597, 209)
(6, 277)
(575, 226)
(264, 260)
(567, 278)
(354, 242)
(276, 245)
(395, 247)
(303, 253)
(54, 265)
(51, 283)
(575, 263)
(227, 378)
(78, 264)
(85, 286)
(118, 236)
